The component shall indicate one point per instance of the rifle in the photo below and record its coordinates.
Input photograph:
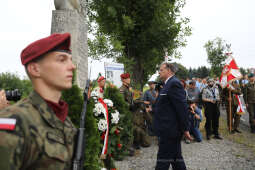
(79, 149)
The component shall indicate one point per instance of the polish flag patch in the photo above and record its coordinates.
(7, 124)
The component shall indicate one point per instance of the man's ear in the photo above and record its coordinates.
(33, 69)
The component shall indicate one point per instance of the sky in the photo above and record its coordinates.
(23, 22)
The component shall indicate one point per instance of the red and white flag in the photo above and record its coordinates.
(230, 71)
(7, 123)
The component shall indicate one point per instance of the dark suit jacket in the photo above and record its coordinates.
(171, 110)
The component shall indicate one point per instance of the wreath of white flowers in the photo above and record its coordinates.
(99, 109)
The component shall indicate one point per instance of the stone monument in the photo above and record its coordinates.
(69, 16)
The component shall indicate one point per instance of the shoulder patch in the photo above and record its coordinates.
(7, 124)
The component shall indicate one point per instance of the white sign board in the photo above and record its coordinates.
(113, 72)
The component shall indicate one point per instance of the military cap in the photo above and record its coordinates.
(250, 75)
(100, 79)
(40, 47)
(125, 75)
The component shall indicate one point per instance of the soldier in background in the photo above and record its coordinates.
(235, 90)
(140, 118)
(125, 90)
(149, 101)
(249, 97)
(100, 88)
(36, 133)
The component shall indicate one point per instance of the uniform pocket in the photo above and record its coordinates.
(55, 147)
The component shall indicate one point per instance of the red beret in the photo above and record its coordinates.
(100, 79)
(42, 46)
(125, 75)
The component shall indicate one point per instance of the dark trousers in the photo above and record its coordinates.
(170, 153)
(196, 133)
(251, 110)
(212, 115)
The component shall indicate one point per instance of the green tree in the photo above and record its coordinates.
(182, 72)
(216, 54)
(11, 81)
(244, 71)
(137, 33)
(126, 132)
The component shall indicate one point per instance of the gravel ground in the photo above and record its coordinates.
(207, 155)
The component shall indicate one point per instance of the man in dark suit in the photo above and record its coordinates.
(170, 120)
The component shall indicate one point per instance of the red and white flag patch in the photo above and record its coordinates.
(7, 124)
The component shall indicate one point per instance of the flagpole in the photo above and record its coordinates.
(230, 110)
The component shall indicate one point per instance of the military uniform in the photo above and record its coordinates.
(249, 97)
(140, 116)
(234, 105)
(39, 141)
(128, 95)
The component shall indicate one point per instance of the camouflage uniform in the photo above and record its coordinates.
(234, 105)
(40, 140)
(249, 97)
(128, 97)
(140, 116)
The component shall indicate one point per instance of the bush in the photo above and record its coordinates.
(126, 131)
(75, 101)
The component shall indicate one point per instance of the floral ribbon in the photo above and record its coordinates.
(241, 106)
(106, 136)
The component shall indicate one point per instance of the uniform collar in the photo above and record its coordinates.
(45, 111)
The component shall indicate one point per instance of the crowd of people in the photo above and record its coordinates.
(204, 99)
(37, 132)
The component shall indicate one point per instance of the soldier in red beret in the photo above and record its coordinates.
(125, 90)
(36, 133)
(99, 91)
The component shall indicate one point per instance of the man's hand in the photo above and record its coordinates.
(3, 102)
(146, 102)
(213, 101)
(187, 135)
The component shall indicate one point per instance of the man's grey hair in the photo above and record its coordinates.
(170, 66)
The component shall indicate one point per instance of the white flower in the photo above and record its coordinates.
(115, 117)
(102, 125)
(94, 93)
(108, 102)
(103, 169)
(99, 109)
